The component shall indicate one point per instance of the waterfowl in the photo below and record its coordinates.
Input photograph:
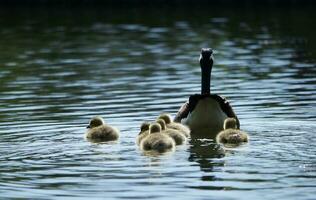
(231, 134)
(173, 125)
(176, 135)
(205, 113)
(144, 132)
(98, 131)
(157, 141)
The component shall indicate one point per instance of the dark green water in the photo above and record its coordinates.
(60, 67)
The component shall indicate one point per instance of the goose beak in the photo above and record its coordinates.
(88, 126)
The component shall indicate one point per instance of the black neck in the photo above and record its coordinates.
(206, 67)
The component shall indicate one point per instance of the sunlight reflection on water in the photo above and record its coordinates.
(55, 77)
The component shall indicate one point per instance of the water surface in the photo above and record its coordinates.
(59, 68)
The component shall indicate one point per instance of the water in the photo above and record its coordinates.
(59, 68)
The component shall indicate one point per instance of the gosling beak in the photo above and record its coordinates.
(88, 126)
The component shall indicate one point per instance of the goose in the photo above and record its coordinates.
(231, 134)
(173, 125)
(157, 141)
(176, 135)
(98, 131)
(144, 132)
(205, 113)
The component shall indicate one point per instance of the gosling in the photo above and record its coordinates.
(98, 131)
(144, 132)
(174, 125)
(230, 134)
(176, 135)
(157, 141)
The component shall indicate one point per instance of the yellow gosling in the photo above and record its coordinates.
(157, 141)
(230, 134)
(144, 132)
(174, 125)
(176, 135)
(98, 131)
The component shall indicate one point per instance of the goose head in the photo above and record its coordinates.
(154, 128)
(162, 123)
(230, 123)
(95, 122)
(206, 63)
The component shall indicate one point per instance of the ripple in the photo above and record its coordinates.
(57, 74)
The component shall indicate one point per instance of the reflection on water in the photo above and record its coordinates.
(60, 68)
(203, 152)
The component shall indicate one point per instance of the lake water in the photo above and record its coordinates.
(59, 68)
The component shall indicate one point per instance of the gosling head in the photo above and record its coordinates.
(95, 122)
(154, 128)
(162, 123)
(166, 117)
(230, 123)
(144, 127)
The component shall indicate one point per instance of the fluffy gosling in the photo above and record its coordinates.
(176, 135)
(98, 131)
(174, 125)
(157, 141)
(230, 134)
(144, 132)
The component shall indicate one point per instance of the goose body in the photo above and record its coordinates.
(157, 141)
(207, 118)
(98, 131)
(176, 135)
(230, 134)
(205, 113)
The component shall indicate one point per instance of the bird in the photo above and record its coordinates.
(205, 113)
(230, 134)
(144, 132)
(173, 125)
(157, 141)
(99, 131)
(176, 135)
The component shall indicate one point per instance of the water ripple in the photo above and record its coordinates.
(129, 71)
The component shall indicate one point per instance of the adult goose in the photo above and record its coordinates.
(205, 113)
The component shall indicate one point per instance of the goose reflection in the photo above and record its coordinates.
(204, 152)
